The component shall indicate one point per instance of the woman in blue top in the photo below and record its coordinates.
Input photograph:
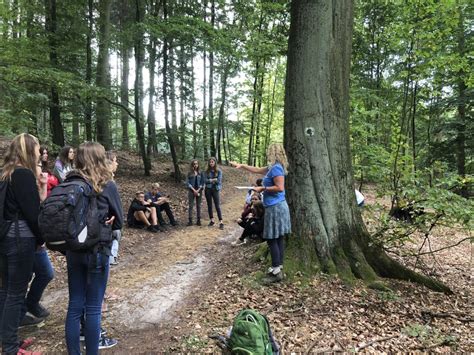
(195, 184)
(213, 187)
(277, 214)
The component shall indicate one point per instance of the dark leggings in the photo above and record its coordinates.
(213, 194)
(277, 249)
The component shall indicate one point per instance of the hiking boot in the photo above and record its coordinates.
(151, 228)
(39, 311)
(29, 320)
(270, 279)
(174, 223)
(190, 223)
(221, 226)
(211, 223)
(198, 222)
(107, 343)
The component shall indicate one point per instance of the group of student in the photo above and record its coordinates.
(26, 181)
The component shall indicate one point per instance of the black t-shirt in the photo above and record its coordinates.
(23, 198)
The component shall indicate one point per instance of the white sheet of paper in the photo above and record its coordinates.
(244, 187)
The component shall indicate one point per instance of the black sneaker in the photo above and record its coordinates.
(158, 228)
(107, 343)
(198, 223)
(211, 223)
(151, 228)
(221, 226)
(190, 223)
(29, 320)
(39, 311)
(174, 223)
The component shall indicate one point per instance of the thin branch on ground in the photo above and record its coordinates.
(377, 340)
(432, 314)
(447, 247)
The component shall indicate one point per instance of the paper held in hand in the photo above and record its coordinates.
(244, 187)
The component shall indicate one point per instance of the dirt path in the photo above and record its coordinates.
(153, 278)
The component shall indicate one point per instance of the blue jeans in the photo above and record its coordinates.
(44, 273)
(16, 263)
(87, 280)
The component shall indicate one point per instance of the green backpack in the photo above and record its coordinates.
(250, 334)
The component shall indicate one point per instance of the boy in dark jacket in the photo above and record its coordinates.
(142, 214)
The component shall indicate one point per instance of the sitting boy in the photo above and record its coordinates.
(142, 214)
(161, 203)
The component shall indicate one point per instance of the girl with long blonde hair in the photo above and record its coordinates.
(88, 272)
(20, 180)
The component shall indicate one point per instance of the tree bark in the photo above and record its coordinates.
(125, 54)
(212, 142)
(102, 82)
(320, 179)
(54, 105)
(138, 87)
(220, 122)
(88, 104)
(462, 99)
(169, 133)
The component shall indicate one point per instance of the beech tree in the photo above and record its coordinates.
(320, 180)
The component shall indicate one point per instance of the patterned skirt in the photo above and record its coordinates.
(277, 221)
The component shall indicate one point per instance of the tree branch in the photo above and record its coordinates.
(118, 104)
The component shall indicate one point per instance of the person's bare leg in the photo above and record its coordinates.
(153, 217)
(140, 216)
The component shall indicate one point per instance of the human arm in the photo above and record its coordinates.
(249, 168)
(115, 205)
(25, 190)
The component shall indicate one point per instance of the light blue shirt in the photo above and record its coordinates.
(273, 198)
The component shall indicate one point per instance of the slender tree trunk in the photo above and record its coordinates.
(220, 125)
(271, 112)
(103, 106)
(138, 89)
(88, 104)
(254, 115)
(125, 54)
(413, 127)
(182, 102)
(169, 133)
(193, 107)
(258, 116)
(212, 143)
(54, 105)
(152, 143)
(462, 99)
(205, 141)
(320, 180)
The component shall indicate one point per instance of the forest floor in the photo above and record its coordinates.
(172, 290)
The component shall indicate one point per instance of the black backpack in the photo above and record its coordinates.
(68, 217)
(4, 224)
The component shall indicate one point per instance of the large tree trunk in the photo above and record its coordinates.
(320, 179)
(103, 106)
(54, 106)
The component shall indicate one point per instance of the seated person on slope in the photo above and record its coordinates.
(142, 214)
(161, 202)
(248, 208)
(253, 225)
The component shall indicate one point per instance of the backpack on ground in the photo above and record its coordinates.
(251, 334)
(4, 224)
(68, 218)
